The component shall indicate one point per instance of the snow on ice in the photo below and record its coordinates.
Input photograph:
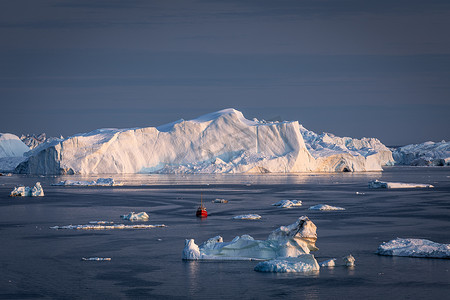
(414, 248)
(247, 217)
(288, 203)
(132, 216)
(375, 184)
(325, 207)
(25, 191)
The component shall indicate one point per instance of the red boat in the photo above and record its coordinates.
(201, 210)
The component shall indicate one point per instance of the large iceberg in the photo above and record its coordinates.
(220, 142)
(293, 240)
(425, 154)
(12, 151)
(414, 248)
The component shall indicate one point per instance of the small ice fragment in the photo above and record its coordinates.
(325, 207)
(95, 258)
(219, 201)
(349, 260)
(288, 203)
(375, 184)
(107, 227)
(247, 217)
(25, 191)
(132, 216)
(360, 193)
(100, 222)
(328, 263)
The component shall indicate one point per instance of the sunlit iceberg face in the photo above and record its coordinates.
(287, 241)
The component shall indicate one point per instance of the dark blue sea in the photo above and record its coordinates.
(39, 262)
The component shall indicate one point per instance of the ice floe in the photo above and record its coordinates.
(302, 263)
(101, 222)
(414, 248)
(132, 216)
(219, 201)
(328, 263)
(325, 207)
(349, 260)
(25, 191)
(107, 227)
(247, 217)
(97, 182)
(288, 203)
(96, 258)
(287, 241)
(375, 184)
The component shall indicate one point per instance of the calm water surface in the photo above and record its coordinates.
(39, 262)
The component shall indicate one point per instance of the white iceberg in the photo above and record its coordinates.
(107, 227)
(325, 207)
(287, 241)
(414, 248)
(425, 154)
(288, 203)
(247, 217)
(301, 263)
(132, 216)
(25, 191)
(375, 184)
(349, 260)
(220, 142)
(12, 151)
(97, 182)
(328, 263)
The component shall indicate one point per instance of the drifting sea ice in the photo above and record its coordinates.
(219, 201)
(375, 184)
(328, 263)
(98, 182)
(132, 216)
(302, 263)
(414, 248)
(247, 217)
(349, 260)
(96, 258)
(325, 207)
(288, 203)
(107, 227)
(287, 241)
(25, 191)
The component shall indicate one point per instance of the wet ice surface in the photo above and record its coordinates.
(39, 262)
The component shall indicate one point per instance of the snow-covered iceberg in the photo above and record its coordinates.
(12, 151)
(247, 217)
(288, 203)
(414, 248)
(132, 216)
(26, 191)
(375, 184)
(220, 142)
(425, 154)
(97, 182)
(302, 263)
(287, 241)
(325, 207)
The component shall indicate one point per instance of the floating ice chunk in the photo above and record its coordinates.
(288, 203)
(25, 191)
(325, 207)
(349, 260)
(132, 216)
(107, 227)
(414, 248)
(375, 184)
(286, 241)
(100, 222)
(302, 263)
(96, 258)
(328, 263)
(247, 217)
(98, 182)
(360, 193)
(220, 201)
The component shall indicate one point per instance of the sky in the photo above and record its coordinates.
(350, 67)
